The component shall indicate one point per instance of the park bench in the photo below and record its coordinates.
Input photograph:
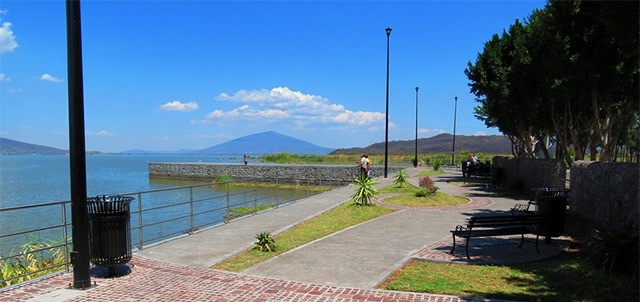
(482, 170)
(499, 225)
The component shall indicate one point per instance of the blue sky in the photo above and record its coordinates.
(167, 75)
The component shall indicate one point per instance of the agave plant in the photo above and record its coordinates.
(265, 242)
(401, 178)
(365, 191)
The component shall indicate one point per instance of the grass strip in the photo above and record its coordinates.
(339, 218)
(409, 199)
(565, 278)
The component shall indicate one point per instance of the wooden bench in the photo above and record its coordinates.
(498, 225)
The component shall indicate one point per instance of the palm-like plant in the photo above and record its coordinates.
(265, 242)
(401, 178)
(365, 191)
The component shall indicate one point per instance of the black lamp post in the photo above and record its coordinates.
(455, 111)
(78, 174)
(415, 159)
(386, 125)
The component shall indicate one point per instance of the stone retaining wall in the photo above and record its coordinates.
(607, 194)
(266, 172)
(532, 173)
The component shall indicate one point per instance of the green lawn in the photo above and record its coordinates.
(566, 278)
(408, 198)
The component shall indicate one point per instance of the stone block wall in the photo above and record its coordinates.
(263, 172)
(533, 173)
(606, 193)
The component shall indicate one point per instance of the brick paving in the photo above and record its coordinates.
(152, 280)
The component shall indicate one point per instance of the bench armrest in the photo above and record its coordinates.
(461, 228)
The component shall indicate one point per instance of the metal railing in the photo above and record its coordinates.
(156, 216)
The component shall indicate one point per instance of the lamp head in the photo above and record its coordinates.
(388, 30)
(417, 88)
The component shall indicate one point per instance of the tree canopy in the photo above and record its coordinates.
(569, 75)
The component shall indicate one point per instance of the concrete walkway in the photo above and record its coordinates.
(345, 266)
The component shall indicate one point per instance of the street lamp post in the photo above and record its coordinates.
(415, 159)
(455, 111)
(386, 125)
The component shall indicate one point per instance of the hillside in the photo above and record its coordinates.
(441, 143)
(269, 142)
(11, 147)
(272, 142)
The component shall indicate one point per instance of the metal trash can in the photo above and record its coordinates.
(109, 236)
(552, 203)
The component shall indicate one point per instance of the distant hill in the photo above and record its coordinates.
(264, 143)
(11, 147)
(442, 143)
(272, 142)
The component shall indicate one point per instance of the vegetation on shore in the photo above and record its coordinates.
(376, 159)
(37, 258)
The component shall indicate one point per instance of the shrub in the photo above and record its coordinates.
(36, 258)
(365, 191)
(615, 253)
(401, 178)
(436, 165)
(265, 242)
(422, 192)
(223, 178)
(428, 185)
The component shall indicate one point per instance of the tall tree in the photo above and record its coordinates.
(572, 69)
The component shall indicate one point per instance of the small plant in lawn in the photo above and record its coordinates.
(428, 186)
(401, 177)
(365, 191)
(422, 192)
(265, 242)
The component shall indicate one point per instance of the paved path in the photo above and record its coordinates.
(345, 266)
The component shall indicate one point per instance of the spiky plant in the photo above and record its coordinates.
(401, 177)
(365, 191)
(265, 242)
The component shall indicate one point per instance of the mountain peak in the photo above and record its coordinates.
(267, 142)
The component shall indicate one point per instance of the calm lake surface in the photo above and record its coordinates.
(37, 179)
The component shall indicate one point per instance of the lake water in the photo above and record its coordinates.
(37, 179)
(28, 180)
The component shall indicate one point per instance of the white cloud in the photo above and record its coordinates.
(103, 133)
(7, 39)
(423, 132)
(4, 78)
(300, 110)
(49, 78)
(179, 106)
